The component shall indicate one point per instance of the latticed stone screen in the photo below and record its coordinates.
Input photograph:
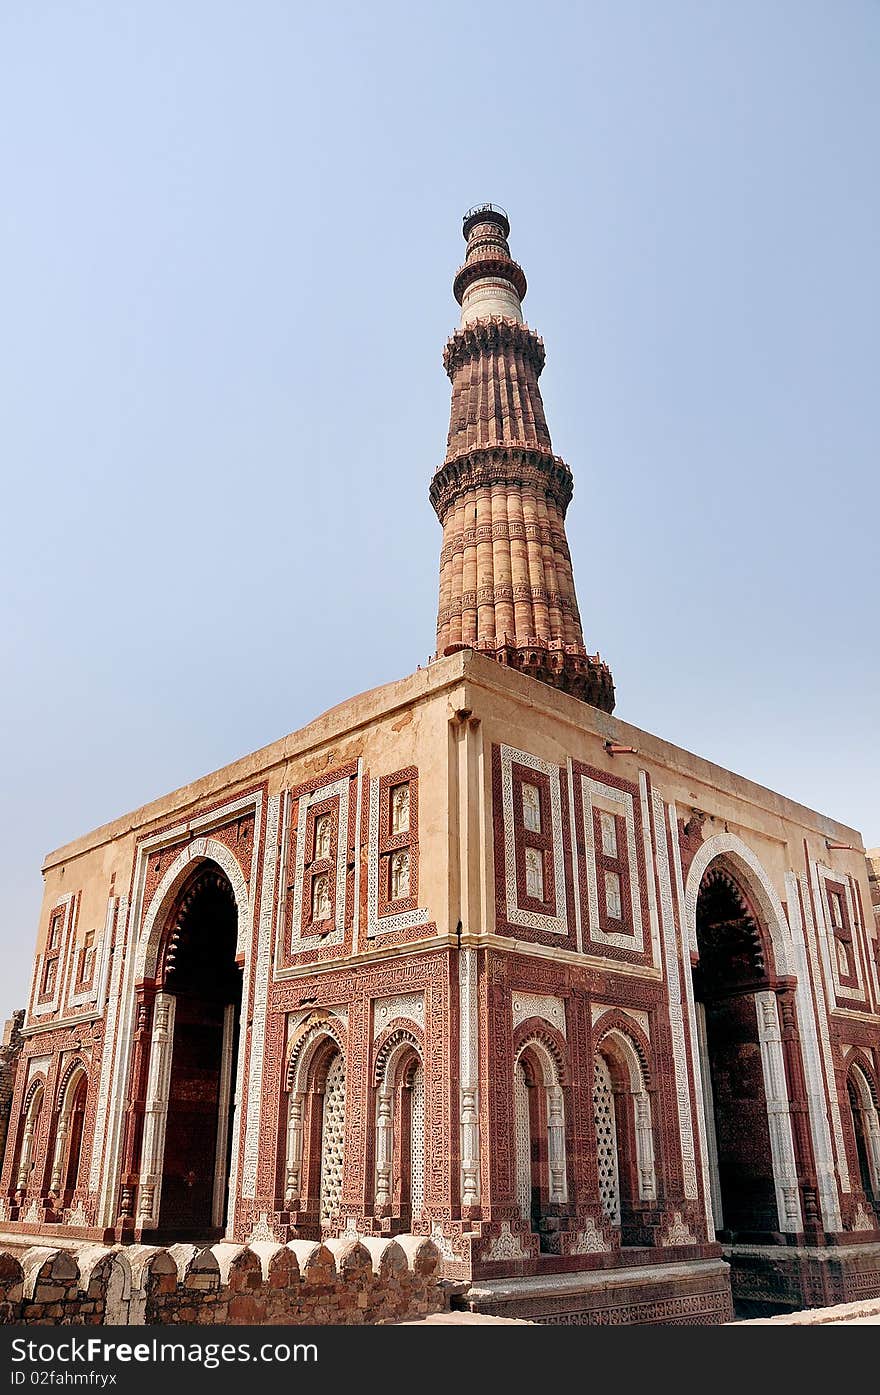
(606, 1140)
(417, 1141)
(523, 1142)
(333, 1138)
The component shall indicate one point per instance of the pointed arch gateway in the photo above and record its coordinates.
(749, 1140)
(193, 1052)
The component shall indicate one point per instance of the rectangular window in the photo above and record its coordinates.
(399, 806)
(398, 843)
(612, 872)
(86, 960)
(531, 805)
(535, 874)
(609, 834)
(613, 902)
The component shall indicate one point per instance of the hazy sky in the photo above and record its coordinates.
(227, 240)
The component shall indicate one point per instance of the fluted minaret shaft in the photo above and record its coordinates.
(506, 580)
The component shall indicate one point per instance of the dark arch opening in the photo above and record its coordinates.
(76, 1120)
(733, 966)
(857, 1100)
(198, 967)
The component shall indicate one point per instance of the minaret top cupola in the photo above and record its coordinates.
(490, 283)
(506, 581)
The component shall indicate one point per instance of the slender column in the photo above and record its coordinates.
(293, 1158)
(156, 1111)
(27, 1148)
(384, 1145)
(218, 1205)
(558, 1188)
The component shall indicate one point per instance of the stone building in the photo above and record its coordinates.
(469, 957)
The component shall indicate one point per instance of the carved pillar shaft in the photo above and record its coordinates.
(293, 1156)
(558, 1185)
(156, 1110)
(27, 1151)
(384, 1145)
(645, 1147)
(58, 1160)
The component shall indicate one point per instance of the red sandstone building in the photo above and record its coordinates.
(469, 957)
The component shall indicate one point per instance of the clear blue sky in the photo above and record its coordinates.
(227, 239)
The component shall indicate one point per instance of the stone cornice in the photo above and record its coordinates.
(483, 267)
(508, 464)
(495, 335)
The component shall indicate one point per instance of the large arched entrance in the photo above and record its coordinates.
(197, 968)
(732, 969)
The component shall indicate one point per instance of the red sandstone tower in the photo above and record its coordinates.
(506, 581)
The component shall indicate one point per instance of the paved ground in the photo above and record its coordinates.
(852, 1314)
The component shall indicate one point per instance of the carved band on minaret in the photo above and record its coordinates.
(506, 580)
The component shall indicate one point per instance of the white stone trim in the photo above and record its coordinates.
(811, 1055)
(676, 994)
(254, 1004)
(704, 1125)
(218, 1202)
(543, 1005)
(778, 1114)
(575, 859)
(813, 942)
(656, 952)
(410, 1006)
(110, 1063)
(557, 923)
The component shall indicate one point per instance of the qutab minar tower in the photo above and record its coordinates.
(506, 580)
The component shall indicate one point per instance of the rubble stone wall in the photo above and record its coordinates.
(350, 1281)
